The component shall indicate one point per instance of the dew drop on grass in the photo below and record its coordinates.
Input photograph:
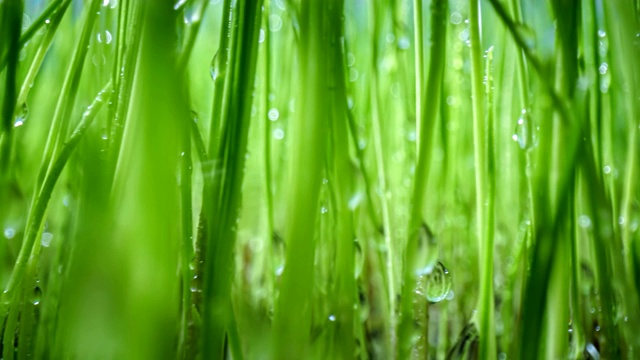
(278, 134)
(279, 270)
(604, 67)
(21, 115)
(351, 59)
(275, 22)
(46, 239)
(179, 4)
(261, 36)
(9, 233)
(353, 74)
(592, 351)
(191, 13)
(426, 253)
(584, 221)
(456, 18)
(332, 318)
(403, 43)
(273, 114)
(213, 67)
(525, 134)
(37, 295)
(436, 285)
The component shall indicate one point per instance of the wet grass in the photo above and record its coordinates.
(319, 179)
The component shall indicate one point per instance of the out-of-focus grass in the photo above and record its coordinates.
(319, 179)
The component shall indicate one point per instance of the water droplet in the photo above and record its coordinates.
(214, 68)
(436, 285)
(324, 210)
(355, 200)
(113, 3)
(450, 295)
(463, 35)
(456, 18)
(107, 37)
(98, 60)
(353, 74)
(603, 68)
(105, 2)
(597, 328)
(325, 181)
(411, 136)
(261, 36)
(179, 4)
(192, 13)
(602, 33)
(390, 38)
(22, 112)
(403, 43)
(9, 233)
(525, 133)
(26, 21)
(46, 239)
(273, 114)
(584, 221)
(332, 318)
(606, 169)
(351, 59)
(275, 22)
(37, 295)
(280, 270)
(426, 253)
(592, 351)
(621, 220)
(278, 134)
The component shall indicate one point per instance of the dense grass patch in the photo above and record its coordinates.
(289, 179)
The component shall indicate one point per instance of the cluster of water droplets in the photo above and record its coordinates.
(603, 67)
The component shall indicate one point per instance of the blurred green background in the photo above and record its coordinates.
(289, 179)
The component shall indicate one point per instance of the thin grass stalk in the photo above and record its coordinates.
(43, 48)
(63, 110)
(12, 21)
(418, 36)
(487, 317)
(292, 313)
(342, 185)
(186, 259)
(219, 260)
(268, 182)
(195, 24)
(127, 57)
(375, 99)
(416, 246)
(219, 63)
(37, 215)
(36, 25)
